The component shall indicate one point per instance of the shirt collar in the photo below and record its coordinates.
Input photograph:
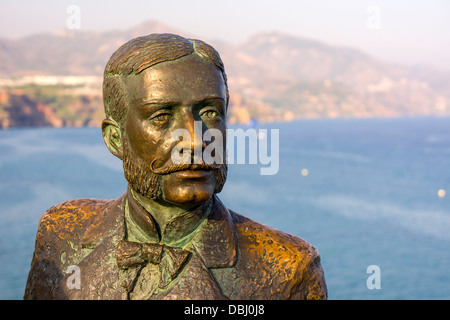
(214, 238)
(142, 227)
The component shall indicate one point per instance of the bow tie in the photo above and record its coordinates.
(170, 259)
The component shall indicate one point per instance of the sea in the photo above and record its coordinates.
(372, 195)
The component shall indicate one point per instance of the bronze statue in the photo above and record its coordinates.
(168, 236)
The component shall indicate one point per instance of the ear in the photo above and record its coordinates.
(112, 136)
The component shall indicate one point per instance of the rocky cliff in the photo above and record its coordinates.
(272, 77)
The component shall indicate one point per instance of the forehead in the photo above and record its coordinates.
(182, 80)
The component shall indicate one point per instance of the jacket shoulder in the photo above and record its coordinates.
(69, 218)
(260, 236)
(291, 259)
(58, 242)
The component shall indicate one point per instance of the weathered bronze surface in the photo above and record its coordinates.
(168, 236)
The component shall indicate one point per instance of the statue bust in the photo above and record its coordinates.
(168, 236)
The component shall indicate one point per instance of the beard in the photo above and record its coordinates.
(144, 179)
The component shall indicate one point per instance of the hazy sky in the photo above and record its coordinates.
(402, 31)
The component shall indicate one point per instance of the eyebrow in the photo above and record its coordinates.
(172, 102)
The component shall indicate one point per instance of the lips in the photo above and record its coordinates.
(193, 174)
(197, 167)
(183, 167)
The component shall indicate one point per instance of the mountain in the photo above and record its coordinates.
(68, 52)
(313, 79)
(272, 76)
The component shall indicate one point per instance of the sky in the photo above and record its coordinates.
(399, 31)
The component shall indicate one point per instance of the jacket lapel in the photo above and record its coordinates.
(216, 242)
(214, 246)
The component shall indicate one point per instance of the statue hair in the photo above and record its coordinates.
(144, 52)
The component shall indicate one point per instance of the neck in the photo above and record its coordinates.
(161, 211)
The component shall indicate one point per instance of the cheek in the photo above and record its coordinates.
(147, 142)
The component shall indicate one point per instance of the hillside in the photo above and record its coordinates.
(272, 77)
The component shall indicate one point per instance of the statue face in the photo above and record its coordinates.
(166, 97)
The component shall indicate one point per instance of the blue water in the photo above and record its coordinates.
(370, 198)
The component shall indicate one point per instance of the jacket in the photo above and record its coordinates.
(230, 257)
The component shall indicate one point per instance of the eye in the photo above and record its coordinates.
(210, 114)
(161, 116)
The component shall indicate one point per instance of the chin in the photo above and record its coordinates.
(187, 193)
(188, 189)
(188, 198)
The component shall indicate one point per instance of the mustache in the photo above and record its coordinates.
(171, 168)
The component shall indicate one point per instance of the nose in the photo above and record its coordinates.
(195, 144)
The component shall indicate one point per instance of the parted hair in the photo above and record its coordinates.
(141, 53)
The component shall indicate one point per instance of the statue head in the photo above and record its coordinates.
(152, 87)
